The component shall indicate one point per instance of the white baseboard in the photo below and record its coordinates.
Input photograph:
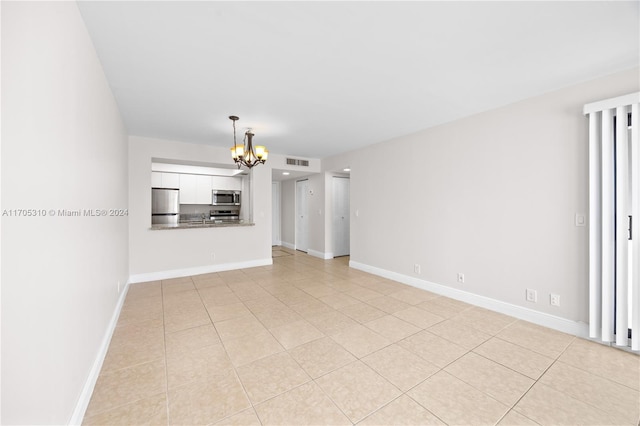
(90, 383)
(575, 328)
(87, 390)
(177, 273)
(288, 245)
(321, 255)
(278, 243)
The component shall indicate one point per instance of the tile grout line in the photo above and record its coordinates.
(374, 331)
(441, 369)
(235, 371)
(109, 372)
(166, 368)
(557, 360)
(311, 379)
(578, 367)
(405, 393)
(325, 335)
(534, 380)
(356, 357)
(391, 343)
(329, 396)
(506, 366)
(380, 375)
(311, 274)
(513, 407)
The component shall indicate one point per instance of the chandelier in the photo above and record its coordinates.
(246, 154)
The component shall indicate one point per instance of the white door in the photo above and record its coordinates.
(340, 216)
(302, 215)
(275, 214)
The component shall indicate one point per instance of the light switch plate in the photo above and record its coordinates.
(581, 219)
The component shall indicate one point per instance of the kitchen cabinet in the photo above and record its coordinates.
(196, 189)
(156, 180)
(170, 180)
(187, 189)
(226, 183)
(165, 180)
(203, 189)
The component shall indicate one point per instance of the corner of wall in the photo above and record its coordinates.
(90, 383)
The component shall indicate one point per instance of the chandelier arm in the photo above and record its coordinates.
(248, 157)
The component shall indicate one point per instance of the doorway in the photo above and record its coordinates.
(275, 214)
(302, 215)
(341, 218)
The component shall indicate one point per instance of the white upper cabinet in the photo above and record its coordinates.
(226, 183)
(156, 180)
(170, 180)
(203, 189)
(188, 189)
(196, 189)
(165, 180)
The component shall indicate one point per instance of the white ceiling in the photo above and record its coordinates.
(314, 79)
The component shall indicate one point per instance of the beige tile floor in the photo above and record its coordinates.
(311, 342)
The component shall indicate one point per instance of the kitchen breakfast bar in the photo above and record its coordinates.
(197, 225)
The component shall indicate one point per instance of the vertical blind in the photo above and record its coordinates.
(614, 225)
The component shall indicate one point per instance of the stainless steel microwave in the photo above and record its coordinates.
(225, 198)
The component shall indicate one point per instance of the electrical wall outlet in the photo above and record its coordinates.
(532, 295)
(213, 256)
(461, 277)
(554, 299)
(416, 268)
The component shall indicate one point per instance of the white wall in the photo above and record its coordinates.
(493, 196)
(163, 253)
(64, 146)
(276, 205)
(316, 201)
(279, 162)
(288, 212)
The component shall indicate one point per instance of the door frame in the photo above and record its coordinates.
(276, 221)
(306, 199)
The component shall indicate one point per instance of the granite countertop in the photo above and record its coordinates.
(207, 224)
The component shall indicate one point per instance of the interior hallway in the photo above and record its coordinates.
(311, 341)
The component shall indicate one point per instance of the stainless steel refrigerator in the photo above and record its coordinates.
(165, 206)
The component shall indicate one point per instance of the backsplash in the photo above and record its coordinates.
(195, 209)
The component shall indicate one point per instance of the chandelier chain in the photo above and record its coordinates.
(246, 154)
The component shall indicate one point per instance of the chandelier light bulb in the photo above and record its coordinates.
(246, 154)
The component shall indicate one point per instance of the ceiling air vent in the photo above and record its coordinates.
(296, 162)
